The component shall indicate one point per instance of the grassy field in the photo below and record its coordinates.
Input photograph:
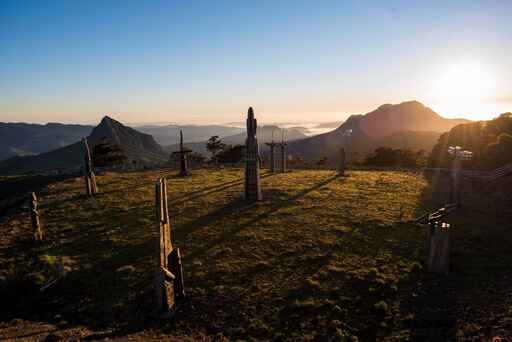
(320, 258)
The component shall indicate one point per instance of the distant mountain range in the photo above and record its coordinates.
(409, 125)
(136, 146)
(19, 139)
(169, 134)
(264, 134)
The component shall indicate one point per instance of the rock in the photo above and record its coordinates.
(126, 269)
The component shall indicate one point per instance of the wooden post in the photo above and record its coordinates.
(459, 155)
(342, 161)
(252, 185)
(169, 275)
(455, 188)
(90, 179)
(182, 153)
(177, 269)
(438, 247)
(283, 156)
(272, 145)
(37, 230)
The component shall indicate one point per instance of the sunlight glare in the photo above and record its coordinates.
(464, 87)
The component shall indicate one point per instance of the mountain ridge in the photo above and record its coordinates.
(370, 129)
(137, 146)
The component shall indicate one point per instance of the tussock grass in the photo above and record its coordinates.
(320, 257)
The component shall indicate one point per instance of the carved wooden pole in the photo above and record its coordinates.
(438, 239)
(252, 165)
(37, 230)
(169, 276)
(348, 153)
(459, 156)
(183, 158)
(282, 145)
(438, 247)
(341, 166)
(90, 179)
(272, 146)
(182, 155)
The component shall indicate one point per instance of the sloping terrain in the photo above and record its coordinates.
(169, 134)
(490, 141)
(136, 146)
(19, 139)
(378, 128)
(320, 258)
(265, 134)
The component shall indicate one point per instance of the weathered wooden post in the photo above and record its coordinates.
(438, 247)
(348, 144)
(183, 157)
(37, 230)
(272, 146)
(459, 156)
(341, 165)
(282, 146)
(90, 179)
(252, 167)
(438, 240)
(169, 275)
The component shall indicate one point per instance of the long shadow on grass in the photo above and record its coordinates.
(241, 224)
(477, 282)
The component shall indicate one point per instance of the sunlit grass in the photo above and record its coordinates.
(319, 256)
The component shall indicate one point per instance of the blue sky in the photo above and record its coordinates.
(207, 61)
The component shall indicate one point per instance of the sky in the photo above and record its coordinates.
(293, 61)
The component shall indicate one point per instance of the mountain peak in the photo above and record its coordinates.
(108, 120)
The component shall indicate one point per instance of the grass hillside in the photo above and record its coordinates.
(320, 258)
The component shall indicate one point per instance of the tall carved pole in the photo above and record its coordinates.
(252, 167)
(282, 145)
(342, 161)
(169, 276)
(438, 239)
(37, 230)
(348, 143)
(90, 179)
(459, 156)
(183, 157)
(272, 146)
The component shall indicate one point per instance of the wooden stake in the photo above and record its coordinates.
(342, 161)
(37, 230)
(169, 276)
(438, 248)
(90, 179)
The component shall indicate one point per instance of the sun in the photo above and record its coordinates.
(464, 89)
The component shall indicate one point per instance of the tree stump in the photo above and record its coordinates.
(438, 247)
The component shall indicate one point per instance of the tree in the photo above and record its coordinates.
(322, 161)
(106, 154)
(499, 153)
(214, 145)
(231, 154)
(388, 157)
